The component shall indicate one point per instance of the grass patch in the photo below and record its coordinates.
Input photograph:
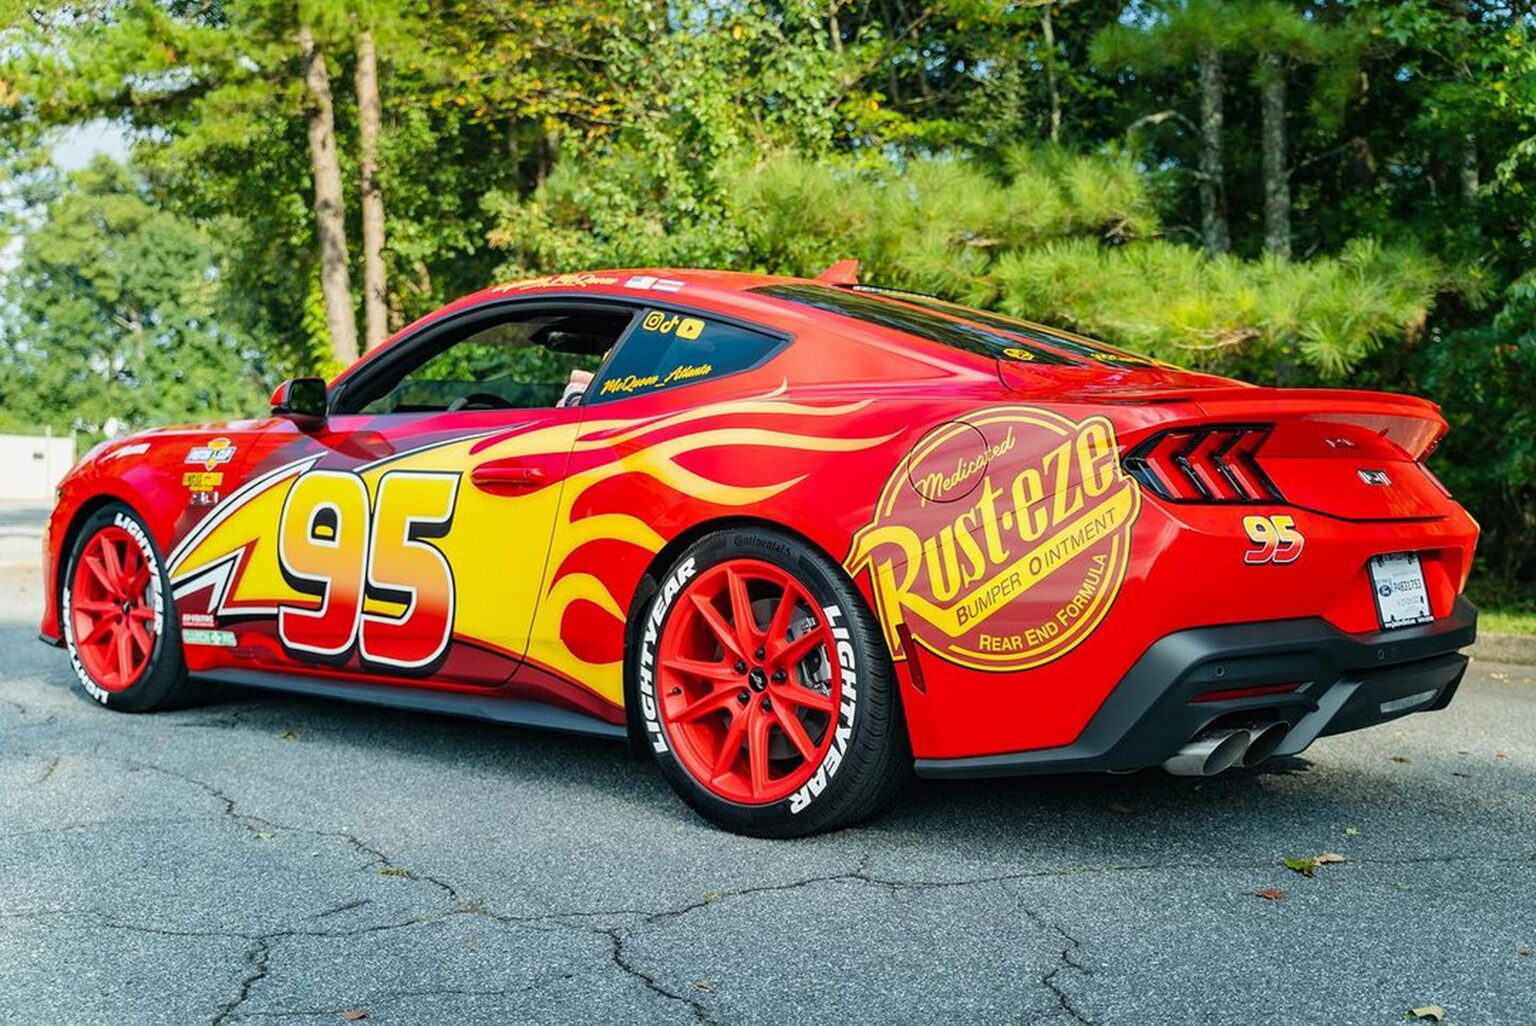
(1506, 621)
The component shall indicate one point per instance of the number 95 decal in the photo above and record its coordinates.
(380, 585)
(1275, 540)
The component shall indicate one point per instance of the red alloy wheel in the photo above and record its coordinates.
(111, 609)
(749, 681)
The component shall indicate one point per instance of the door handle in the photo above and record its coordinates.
(506, 475)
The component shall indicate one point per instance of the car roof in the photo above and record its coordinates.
(719, 291)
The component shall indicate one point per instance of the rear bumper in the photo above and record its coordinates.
(1347, 681)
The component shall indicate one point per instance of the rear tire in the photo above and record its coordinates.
(119, 621)
(765, 690)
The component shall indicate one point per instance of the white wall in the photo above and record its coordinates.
(32, 466)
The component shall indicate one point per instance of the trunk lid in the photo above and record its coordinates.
(1345, 453)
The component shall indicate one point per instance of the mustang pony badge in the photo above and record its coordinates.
(999, 543)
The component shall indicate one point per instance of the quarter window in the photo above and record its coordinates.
(667, 349)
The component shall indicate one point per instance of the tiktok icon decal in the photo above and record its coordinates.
(1001, 542)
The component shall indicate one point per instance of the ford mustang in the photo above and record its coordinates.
(792, 538)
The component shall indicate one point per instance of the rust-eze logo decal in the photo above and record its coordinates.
(1001, 542)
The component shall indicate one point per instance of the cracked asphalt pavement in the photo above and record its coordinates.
(271, 859)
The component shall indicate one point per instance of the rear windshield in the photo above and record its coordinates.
(930, 318)
(1077, 345)
(862, 306)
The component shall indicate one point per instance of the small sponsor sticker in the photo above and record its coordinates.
(212, 455)
(196, 620)
(217, 639)
(685, 327)
(651, 283)
(202, 480)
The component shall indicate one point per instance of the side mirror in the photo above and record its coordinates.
(300, 399)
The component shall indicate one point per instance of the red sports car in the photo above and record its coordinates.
(791, 537)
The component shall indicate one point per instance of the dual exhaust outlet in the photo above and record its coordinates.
(1214, 751)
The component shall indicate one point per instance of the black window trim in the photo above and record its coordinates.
(492, 311)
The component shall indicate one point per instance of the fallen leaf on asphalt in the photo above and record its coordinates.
(1329, 858)
(288, 735)
(713, 896)
(1121, 810)
(1499, 675)
(1270, 894)
(1434, 1013)
(262, 835)
(703, 984)
(1351, 831)
(1523, 952)
(1501, 755)
(1300, 864)
(1456, 773)
(354, 1014)
(1401, 758)
(394, 871)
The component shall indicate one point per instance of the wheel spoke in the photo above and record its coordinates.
(99, 571)
(114, 568)
(124, 658)
(144, 614)
(722, 630)
(703, 670)
(757, 753)
(790, 724)
(98, 630)
(710, 703)
(804, 697)
(778, 627)
(93, 605)
(731, 746)
(791, 652)
(741, 610)
(140, 636)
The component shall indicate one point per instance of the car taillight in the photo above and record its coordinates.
(1212, 463)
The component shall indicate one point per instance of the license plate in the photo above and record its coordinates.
(1397, 581)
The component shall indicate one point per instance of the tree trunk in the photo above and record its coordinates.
(1469, 176)
(1213, 209)
(1053, 88)
(1467, 159)
(375, 285)
(1277, 176)
(330, 225)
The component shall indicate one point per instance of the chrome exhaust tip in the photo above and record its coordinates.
(1210, 753)
(1263, 741)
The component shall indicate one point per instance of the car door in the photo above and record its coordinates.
(652, 453)
(404, 538)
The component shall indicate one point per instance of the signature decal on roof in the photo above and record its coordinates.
(554, 281)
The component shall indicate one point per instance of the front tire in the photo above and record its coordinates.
(119, 622)
(765, 689)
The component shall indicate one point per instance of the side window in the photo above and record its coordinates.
(666, 350)
(527, 359)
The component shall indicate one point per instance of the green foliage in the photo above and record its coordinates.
(112, 317)
(1486, 379)
(1042, 234)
